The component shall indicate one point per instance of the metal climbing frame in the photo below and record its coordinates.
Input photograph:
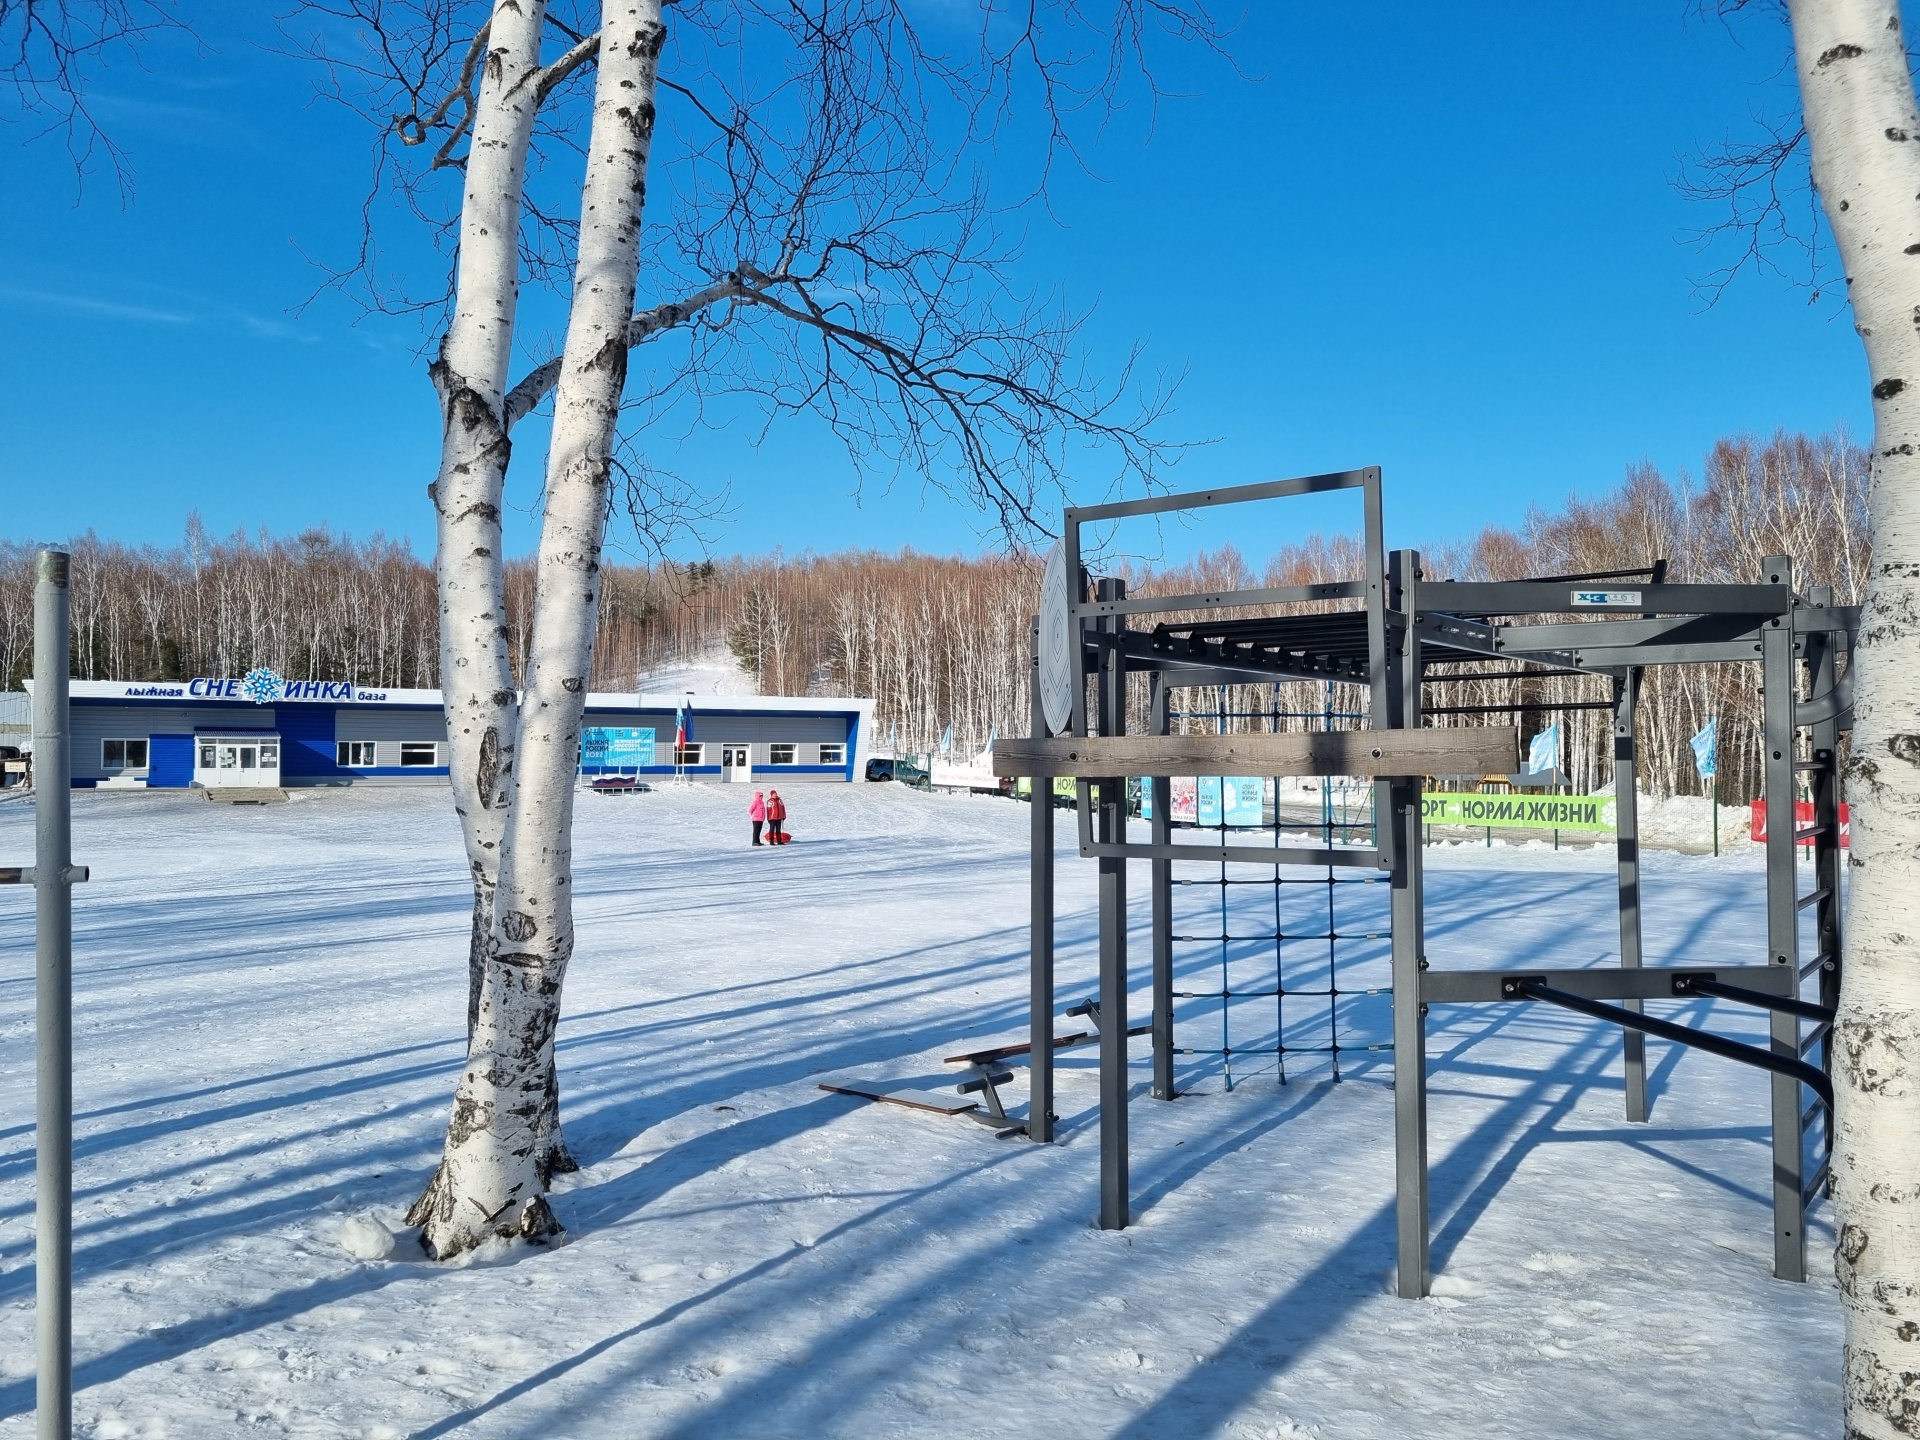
(1346, 646)
(1574, 624)
(1611, 625)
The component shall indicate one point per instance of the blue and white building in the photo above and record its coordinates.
(263, 730)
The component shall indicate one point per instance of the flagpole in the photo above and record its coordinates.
(1716, 786)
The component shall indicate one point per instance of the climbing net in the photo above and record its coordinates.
(1279, 972)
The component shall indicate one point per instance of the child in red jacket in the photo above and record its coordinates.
(776, 819)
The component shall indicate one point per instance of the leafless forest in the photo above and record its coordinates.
(941, 641)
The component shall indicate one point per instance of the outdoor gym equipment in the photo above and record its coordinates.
(1378, 634)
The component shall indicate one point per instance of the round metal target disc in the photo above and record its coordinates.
(1056, 644)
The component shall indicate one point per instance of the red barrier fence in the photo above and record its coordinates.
(1802, 818)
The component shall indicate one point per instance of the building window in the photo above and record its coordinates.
(123, 754)
(206, 757)
(356, 755)
(419, 752)
(269, 757)
(780, 754)
(687, 755)
(833, 754)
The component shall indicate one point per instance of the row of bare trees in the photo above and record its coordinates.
(940, 641)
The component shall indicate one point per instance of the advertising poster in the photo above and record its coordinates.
(1207, 802)
(615, 749)
(1210, 801)
(1244, 800)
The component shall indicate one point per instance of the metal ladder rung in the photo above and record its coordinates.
(1808, 1114)
(1800, 837)
(1815, 963)
(1813, 897)
(1813, 765)
(1812, 1192)
(1814, 1036)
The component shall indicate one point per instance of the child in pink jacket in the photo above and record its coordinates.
(757, 812)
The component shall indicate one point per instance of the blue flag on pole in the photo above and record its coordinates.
(1706, 749)
(946, 740)
(1544, 754)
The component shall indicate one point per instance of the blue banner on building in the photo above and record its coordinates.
(615, 749)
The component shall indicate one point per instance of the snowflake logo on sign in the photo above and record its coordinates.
(263, 686)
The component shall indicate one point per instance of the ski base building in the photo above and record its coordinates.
(266, 731)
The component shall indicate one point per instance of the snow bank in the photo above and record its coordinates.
(1685, 822)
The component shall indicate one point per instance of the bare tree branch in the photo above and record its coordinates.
(48, 49)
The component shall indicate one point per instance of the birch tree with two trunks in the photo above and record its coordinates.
(1858, 132)
(830, 247)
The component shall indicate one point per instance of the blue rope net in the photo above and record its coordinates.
(1286, 970)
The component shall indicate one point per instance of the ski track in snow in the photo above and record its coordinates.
(268, 1025)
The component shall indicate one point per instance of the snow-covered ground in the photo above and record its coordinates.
(269, 1006)
(716, 673)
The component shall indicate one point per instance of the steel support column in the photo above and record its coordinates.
(1112, 820)
(1396, 703)
(1040, 1117)
(53, 999)
(1161, 833)
(1626, 800)
(1824, 775)
(1780, 679)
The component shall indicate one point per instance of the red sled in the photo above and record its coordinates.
(780, 839)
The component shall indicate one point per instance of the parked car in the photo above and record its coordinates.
(886, 767)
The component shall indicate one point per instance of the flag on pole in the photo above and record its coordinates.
(1706, 749)
(993, 733)
(893, 737)
(683, 724)
(946, 740)
(1545, 751)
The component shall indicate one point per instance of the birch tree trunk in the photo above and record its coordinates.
(1857, 94)
(471, 373)
(470, 376)
(493, 1175)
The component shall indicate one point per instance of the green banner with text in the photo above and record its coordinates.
(1533, 812)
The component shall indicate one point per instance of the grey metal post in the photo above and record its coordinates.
(1040, 1115)
(1783, 926)
(1626, 809)
(1396, 698)
(1112, 717)
(1162, 886)
(53, 995)
(1825, 776)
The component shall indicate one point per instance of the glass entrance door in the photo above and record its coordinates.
(736, 762)
(223, 762)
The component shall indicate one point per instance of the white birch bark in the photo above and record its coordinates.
(494, 1181)
(476, 678)
(1857, 94)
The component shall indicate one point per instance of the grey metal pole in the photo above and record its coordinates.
(1161, 790)
(1396, 704)
(53, 995)
(1040, 936)
(1626, 810)
(1112, 712)
(1778, 675)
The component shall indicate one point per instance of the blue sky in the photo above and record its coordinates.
(1442, 239)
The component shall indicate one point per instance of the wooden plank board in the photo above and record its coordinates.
(1003, 1052)
(888, 1091)
(1463, 750)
